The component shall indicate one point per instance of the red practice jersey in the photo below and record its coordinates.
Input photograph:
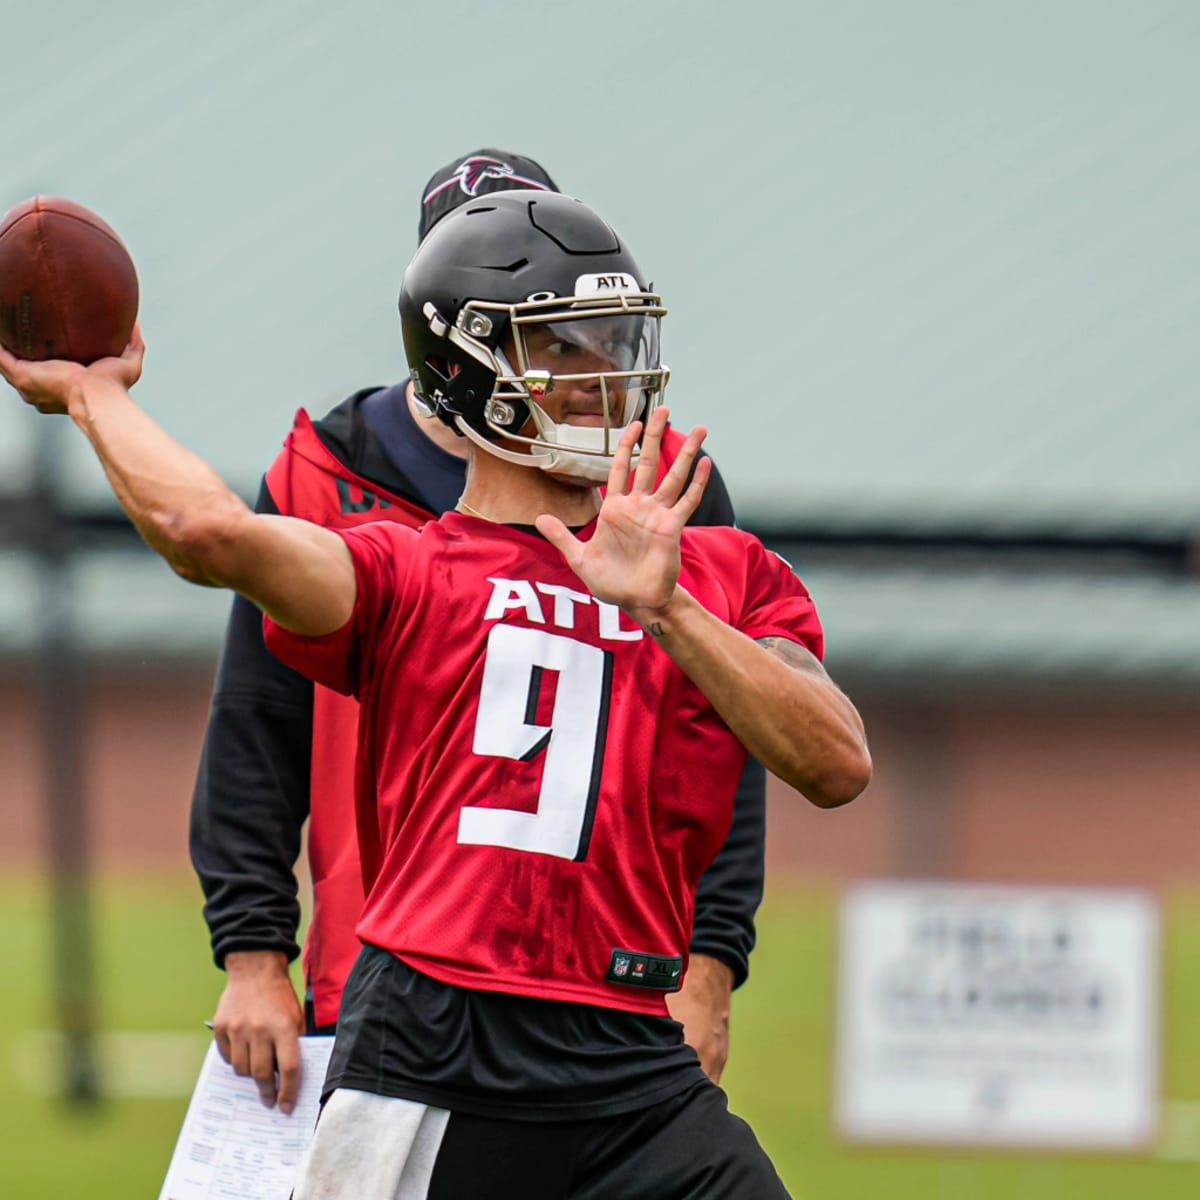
(308, 480)
(539, 786)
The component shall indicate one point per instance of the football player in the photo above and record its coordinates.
(557, 694)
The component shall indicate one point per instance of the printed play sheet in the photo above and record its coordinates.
(230, 1146)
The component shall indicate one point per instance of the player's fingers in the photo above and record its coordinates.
(239, 1054)
(8, 364)
(687, 504)
(287, 1059)
(16, 371)
(133, 357)
(224, 1047)
(135, 352)
(618, 473)
(714, 1051)
(40, 385)
(125, 368)
(262, 1068)
(647, 467)
(675, 480)
(558, 535)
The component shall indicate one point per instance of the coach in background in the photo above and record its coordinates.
(279, 751)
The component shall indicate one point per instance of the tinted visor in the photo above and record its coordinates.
(627, 342)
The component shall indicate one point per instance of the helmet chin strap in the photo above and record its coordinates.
(535, 458)
(568, 450)
(557, 460)
(579, 450)
(571, 455)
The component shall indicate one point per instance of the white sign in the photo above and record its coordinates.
(1004, 1015)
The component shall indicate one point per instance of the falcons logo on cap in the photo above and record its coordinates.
(472, 172)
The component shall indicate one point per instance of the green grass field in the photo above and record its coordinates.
(155, 977)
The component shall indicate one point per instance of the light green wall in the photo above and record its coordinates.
(925, 259)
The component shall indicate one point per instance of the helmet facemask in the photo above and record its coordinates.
(598, 357)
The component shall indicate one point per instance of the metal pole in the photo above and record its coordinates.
(63, 721)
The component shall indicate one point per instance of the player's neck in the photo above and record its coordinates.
(512, 494)
(436, 430)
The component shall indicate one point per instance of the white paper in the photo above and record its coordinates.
(233, 1148)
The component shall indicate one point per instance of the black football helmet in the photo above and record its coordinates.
(516, 295)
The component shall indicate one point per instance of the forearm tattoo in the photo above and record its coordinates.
(792, 653)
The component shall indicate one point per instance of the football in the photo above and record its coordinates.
(68, 287)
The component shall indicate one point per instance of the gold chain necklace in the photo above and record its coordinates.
(463, 506)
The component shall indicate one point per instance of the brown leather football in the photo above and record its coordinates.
(68, 287)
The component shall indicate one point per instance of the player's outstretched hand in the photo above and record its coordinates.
(49, 386)
(632, 557)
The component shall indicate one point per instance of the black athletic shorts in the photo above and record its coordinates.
(690, 1147)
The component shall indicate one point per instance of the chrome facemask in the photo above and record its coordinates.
(598, 354)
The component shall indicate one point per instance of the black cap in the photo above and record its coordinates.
(476, 174)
